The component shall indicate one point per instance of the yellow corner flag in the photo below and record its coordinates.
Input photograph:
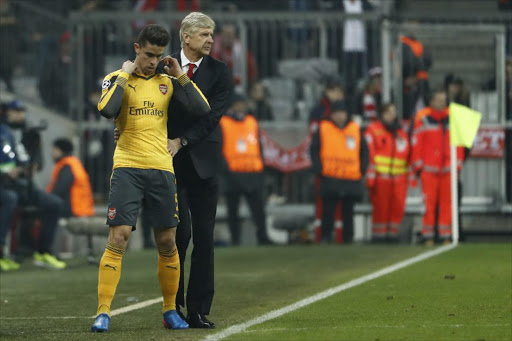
(464, 124)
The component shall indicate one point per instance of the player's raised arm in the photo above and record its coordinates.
(185, 91)
(113, 89)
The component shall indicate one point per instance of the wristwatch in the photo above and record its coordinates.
(184, 142)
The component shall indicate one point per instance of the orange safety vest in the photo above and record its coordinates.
(241, 147)
(339, 150)
(82, 202)
(417, 50)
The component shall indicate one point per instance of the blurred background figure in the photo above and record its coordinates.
(243, 169)
(431, 162)
(416, 62)
(370, 100)
(8, 204)
(8, 198)
(55, 77)
(17, 171)
(387, 174)
(70, 181)
(300, 41)
(9, 40)
(340, 157)
(333, 92)
(187, 5)
(228, 48)
(455, 90)
(354, 47)
(259, 105)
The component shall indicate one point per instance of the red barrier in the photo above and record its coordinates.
(489, 143)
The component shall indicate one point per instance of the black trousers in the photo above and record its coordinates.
(328, 215)
(8, 204)
(197, 203)
(50, 207)
(255, 201)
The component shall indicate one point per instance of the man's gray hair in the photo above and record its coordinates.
(193, 22)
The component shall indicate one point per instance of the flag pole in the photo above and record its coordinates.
(454, 194)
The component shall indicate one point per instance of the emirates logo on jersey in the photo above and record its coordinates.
(163, 89)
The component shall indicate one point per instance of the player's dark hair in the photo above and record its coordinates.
(155, 35)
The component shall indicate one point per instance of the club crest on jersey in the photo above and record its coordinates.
(111, 213)
(163, 89)
(351, 142)
(401, 144)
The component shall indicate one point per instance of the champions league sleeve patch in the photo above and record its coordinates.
(105, 85)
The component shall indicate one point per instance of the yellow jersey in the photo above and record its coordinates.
(139, 105)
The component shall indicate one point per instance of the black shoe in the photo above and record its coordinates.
(198, 320)
(180, 314)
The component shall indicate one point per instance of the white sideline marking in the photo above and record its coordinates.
(271, 330)
(238, 328)
(43, 317)
(135, 306)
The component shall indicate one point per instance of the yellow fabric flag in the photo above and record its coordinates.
(464, 124)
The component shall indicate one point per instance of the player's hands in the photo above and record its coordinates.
(173, 146)
(129, 67)
(117, 134)
(172, 67)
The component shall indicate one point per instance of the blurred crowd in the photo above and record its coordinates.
(383, 149)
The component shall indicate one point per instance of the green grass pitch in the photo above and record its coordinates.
(462, 294)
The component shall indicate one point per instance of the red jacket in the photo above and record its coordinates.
(389, 153)
(431, 144)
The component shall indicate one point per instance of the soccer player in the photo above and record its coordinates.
(138, 98)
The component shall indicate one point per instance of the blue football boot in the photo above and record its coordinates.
(173, 321)
(101, 324)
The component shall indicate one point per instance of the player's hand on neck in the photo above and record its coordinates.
(129, 67)
(172, 67)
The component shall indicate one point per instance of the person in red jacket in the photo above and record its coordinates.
(431, 160)
(387, 173)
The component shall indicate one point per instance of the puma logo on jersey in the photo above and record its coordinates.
(133, 87)
(111, 266)
(172, 267)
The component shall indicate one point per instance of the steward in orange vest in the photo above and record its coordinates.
(243, 168)
(340, 156)
(70, 181)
